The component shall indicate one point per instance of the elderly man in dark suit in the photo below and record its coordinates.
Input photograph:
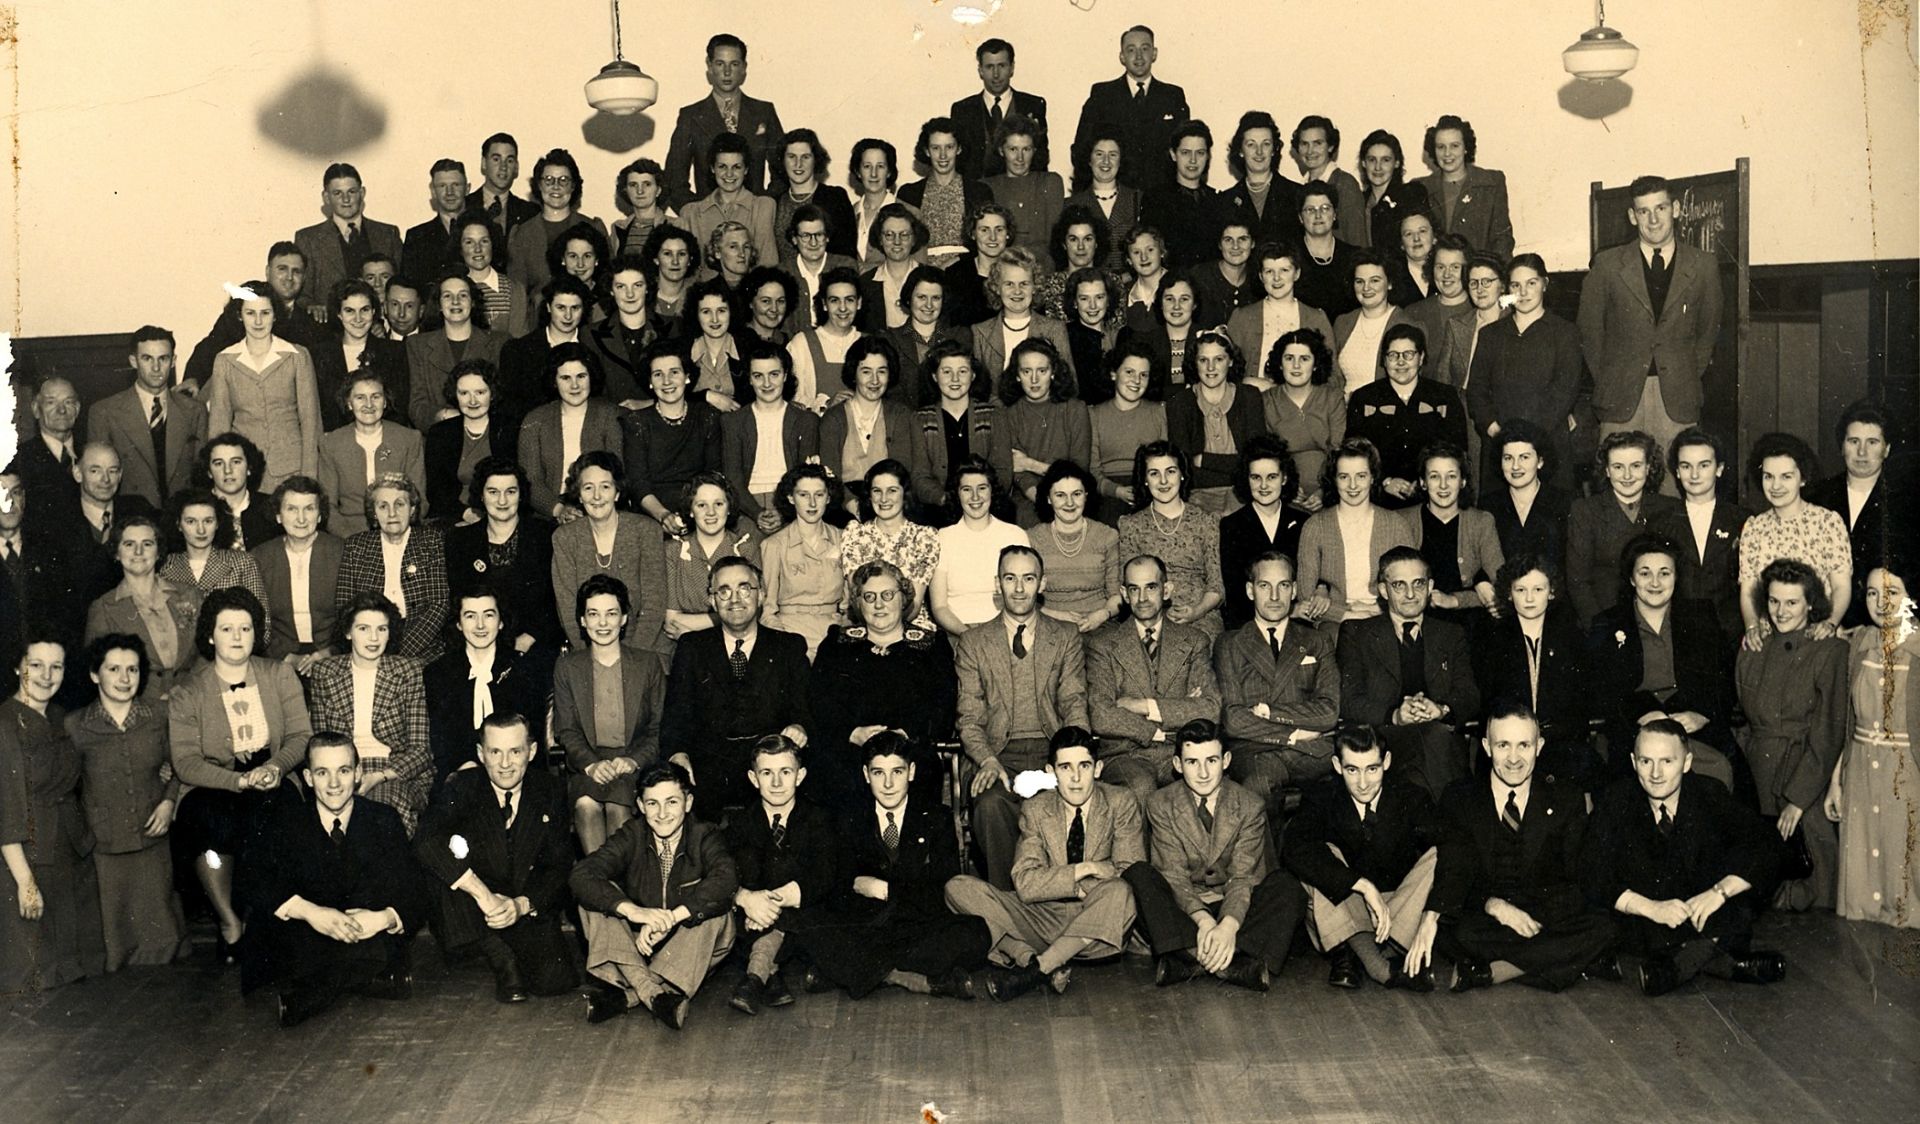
(89, 522)
(1280, 683)
(788, 857)
(978, 116)
(335, 891)
(1410, 674)
(1146, 678)
(1366, 851)
(35, 587)
(299, 569)
(1649, 319)
(657, 904)
(338, 246)
(726, 110)
(1683, 866)
(1507, 902)
(1138, 109)
(45, 461)
(1069, 899)
(1022, 677)
(157, 430)
(497, 844)
(1211, 902)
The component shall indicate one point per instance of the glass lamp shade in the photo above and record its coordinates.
(1600, 53)
(621, 88)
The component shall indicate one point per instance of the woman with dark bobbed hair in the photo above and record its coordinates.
(800, 180)
(197, 520)
(1046, 422)
(1212, 416)
(1080, 553)
(1465, 198)
(509, 548)
(1304, 409)
(1780, 467)
(579, 420)
(376, 698)
(457, 444)
(1390, 197)
(354, 350)
(1165, 524)
(457, 330)
(1134, 416)
(805, 592)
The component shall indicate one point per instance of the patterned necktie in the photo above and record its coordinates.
(154, 416)
(494, 209)
(1511, 814)
(1665, 822)
(339, 832)
(1206, 816)
(1077, 839)
(890, 837)
(1151, 638)
(666, 873)
(739, 658)
(779, 832)
(1020, 642)
(506, 811)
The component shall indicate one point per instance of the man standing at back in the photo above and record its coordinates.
(1136, 107)
(978, 116)
(499, 167)
(726, 110)
(336, 247)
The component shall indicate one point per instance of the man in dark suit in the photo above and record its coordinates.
(1684, 868)
(1022, 677)
(502, 888)
(1661, 657)
(1860, 494)
(1366, 851)
(46, 460)
(299, 569)
(335, 892)
(158, 430)
(1507, 903)
(89, 522)
(1069, 899)
(433, 248)
(977, 117)
(1211, 902)
(1136, 108)
(494, 198)
(1649, 319)
(726, 110)
(657, 904)
(336, 248)
(473, 679)
(733, 685)
(1705, 529)
(1146, 678)
(1409, 674)
(788, 861)
(889, 920)
(1280, 682)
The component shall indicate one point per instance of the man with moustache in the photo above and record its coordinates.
(788, 859)
(497, 842)
(299, 569)
(1069, 899)
(156, 429)
(1280, 681)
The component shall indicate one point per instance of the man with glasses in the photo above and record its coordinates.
(338, 246)
(1403, 413)
(1409, 674)
(1281, 686)
(727, 109)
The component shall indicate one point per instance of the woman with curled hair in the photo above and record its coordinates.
(900, 237)
(232, 467)
(1875, 792)
(235, 728)
(672, 257)
(371, 445)
(715, 530)
(946, 196)
(717, 345)
(377, 698)
(1304, 408)
(640, 195)
(1092, 301)
(1600, 525)
(264, 387)
(161, 614)
(456, 331)
(882, 532)
(556, 185)
(620, 544)
(620, 340)
(198, 520)
(1389, 195)
(1534, 651)
(1173, 328)
(355, 351)
(1341, 544)
(1794, 689)
(509, 548)
(456, 444)
(729, 255)
(483, 255)
(581, 253)
(401, 558)
(800, 180)
(1257, 329)
(873, 169)
(607, 699)
(1529, 513)
(768, 296)
(1780, 467)
(792, 436)
(1080, 553)
(965, 421)
(1046, 421)
(1266, 521)
(1213, 417)
(1103, 192)
(1036, 197)
(816, 354)
(1074, 243)
(965, 589)
(1145, 251)
(990, 232)
(1465, 198)
(805, 592)
(1526, 365)
(879, 671)
(1010, 289)
(1165, 524)
(579, 420)
(129, 794)
(870, 425)
(924, 301)
(1133, 416)
(1458, 542)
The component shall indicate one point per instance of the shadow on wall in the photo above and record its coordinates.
(611, 132)
(1595, 100)
(322, 113)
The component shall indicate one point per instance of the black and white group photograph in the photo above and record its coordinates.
(954, 561)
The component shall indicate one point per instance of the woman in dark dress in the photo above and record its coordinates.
(879, 673)
(50, 906)
(474, 433)
(1267, 520)
(511, 549)
(1529, 513)
(1535, 653)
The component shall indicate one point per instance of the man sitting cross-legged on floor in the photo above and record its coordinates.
(788, 862)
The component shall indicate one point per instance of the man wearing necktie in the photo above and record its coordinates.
(1507, 900)
(1281, 687)
(1068, 899)
(90, 521)
(45, 461)
(1138, 109)
(787, 858)
(336, 247)
(1210, 902)
(157, 430)
(1684, 868)
(1146, 677)
(978, 116)
(497, 844)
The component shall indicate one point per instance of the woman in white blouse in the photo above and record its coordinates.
(965, 578)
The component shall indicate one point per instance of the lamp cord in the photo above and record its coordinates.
(616, 31)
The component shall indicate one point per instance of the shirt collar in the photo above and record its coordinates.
(1667, 252)
(899, 815)
(500, 794)
(1671, 803)
(1501, 788)
(340, 224)
(344, 815)
(1012, 625)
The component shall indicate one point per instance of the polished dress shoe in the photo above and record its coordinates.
(815, 982)
(670, 1006)
(1004, 984)
(776, 993)
(956, 983)
(1248, 972)
(390, 984)
(1604, 967)
(1176, 968)
(507, 986)
(1759, 968)
(1469, 974)
(1344, 971)
(1421, 981)
(747, 995)
(604, 1001)
(1657, 975)
(300, 1004)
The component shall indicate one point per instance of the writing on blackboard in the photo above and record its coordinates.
(1699, 220)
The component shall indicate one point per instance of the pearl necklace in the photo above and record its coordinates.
(1079, 541)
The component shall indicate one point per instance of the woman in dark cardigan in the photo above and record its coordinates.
(474, 433)
(510, 548)
(1535, 653)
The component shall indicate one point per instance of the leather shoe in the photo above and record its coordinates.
(747, 995)
(604, 1001)
(507, 987)
(1469, 974)
(1005, 984)
(1176, 968)
(299, 1005)
(1246, 971)
(957, 983)
(813, 982)
(1604, 967)
(1421, 981)
(1344, 971)
(670, 1006)
(776, 993)
(389, 984)
(1658, 976)
(1759, 968)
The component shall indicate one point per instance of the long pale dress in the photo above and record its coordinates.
(1880, 790)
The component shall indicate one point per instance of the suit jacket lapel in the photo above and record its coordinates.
(1633, 276)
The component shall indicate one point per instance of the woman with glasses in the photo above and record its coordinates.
(881, 532)
(556, 185)
(1403, 414)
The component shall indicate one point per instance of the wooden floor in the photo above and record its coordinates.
(1839, 1040)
